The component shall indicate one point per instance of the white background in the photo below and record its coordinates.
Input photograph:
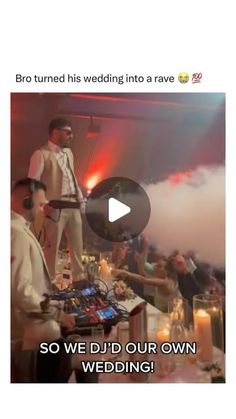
(140, 37)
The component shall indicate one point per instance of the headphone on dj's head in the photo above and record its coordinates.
(28, 202)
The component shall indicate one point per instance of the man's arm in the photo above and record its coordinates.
(146, 281)
(36, 165)
(23, 293)
(24, 296)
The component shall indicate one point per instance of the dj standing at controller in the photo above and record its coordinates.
(53, 164)
(30, 279)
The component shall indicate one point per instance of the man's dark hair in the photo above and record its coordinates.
(58, 123)
(31, 184)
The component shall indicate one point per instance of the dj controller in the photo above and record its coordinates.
(90, 305)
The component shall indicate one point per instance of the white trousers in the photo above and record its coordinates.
(69, 221)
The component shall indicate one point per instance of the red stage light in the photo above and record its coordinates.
(177, 178)
(92, 181)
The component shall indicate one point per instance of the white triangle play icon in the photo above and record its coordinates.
(116, 209)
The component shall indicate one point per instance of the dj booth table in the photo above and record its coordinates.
(121, 334)
(188, 373)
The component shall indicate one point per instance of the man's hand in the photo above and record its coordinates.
(140, 260)
(68, 321)
(82, 207)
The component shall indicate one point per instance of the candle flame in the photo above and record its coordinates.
(202, 313)
(163, 334)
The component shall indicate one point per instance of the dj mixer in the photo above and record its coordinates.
(89, 304)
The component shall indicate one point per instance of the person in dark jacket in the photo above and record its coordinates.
(187, 281)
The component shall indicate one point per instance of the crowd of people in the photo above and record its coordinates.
(172, 275)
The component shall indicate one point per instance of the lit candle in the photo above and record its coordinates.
(103, 263)
(84, 259)
(105, 269)
(202, 325)
(164, 361)
(163, 336)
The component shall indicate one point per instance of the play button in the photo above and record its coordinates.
(118, 209)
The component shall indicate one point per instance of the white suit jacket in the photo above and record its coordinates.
(30, 278)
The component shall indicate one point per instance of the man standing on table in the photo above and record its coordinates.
(53, 164)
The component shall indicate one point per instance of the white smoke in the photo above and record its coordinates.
(190, 215)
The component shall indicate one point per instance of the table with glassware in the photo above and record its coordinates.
(205, 330)
(169, 368)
